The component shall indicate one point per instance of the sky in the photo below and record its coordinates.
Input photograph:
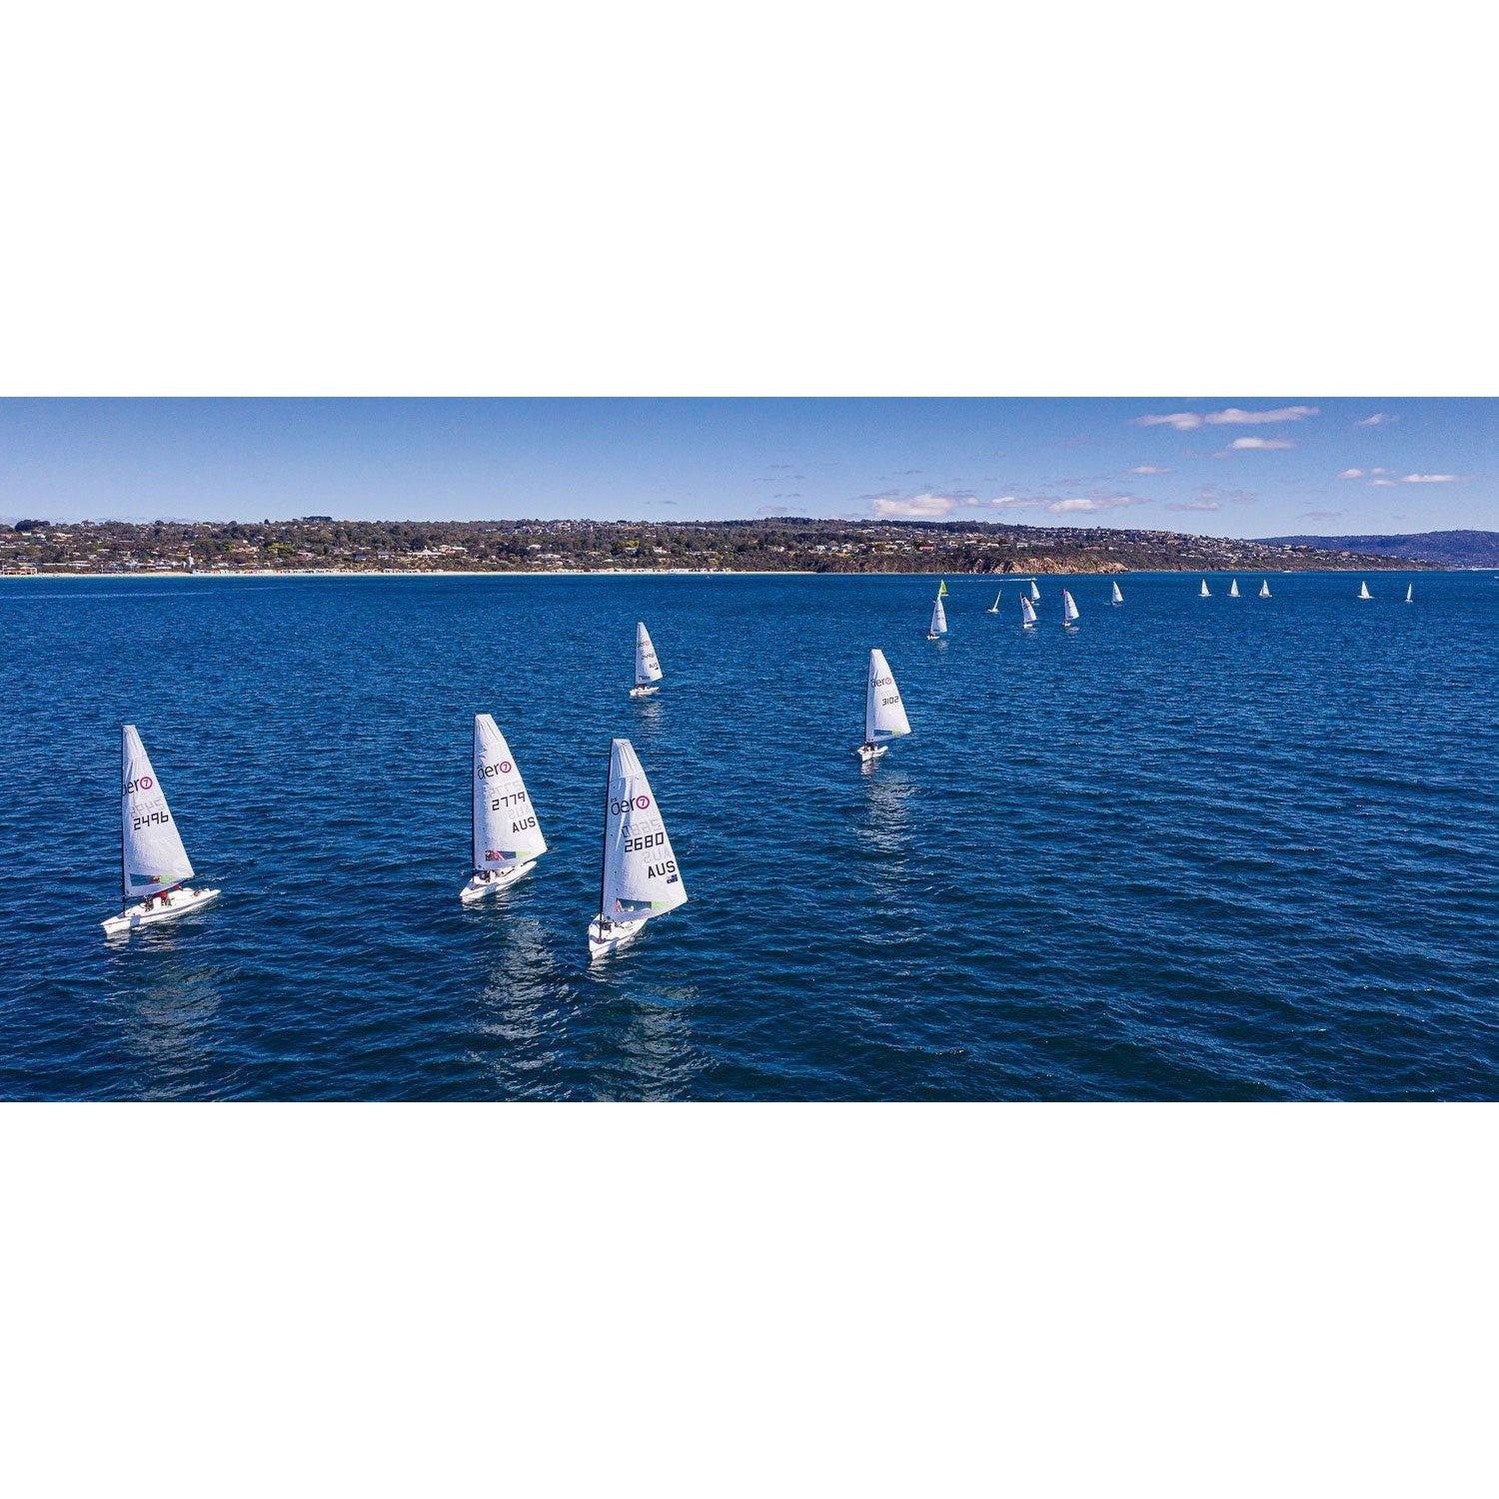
(1227, 466)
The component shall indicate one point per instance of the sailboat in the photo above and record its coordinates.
(884, 713)
(1115, 596)
(507, 840)
(1363, 591)
(1203, 592)
(1409, 590)
(1233, 589)
(1035, 592)
(154, 866)
(1027, 614)
(1069, 610)
(994, 607)
(647, 667)
(1265, 588)
(938, 627)
(639, 877)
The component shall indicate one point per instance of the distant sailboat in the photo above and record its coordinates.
(994, 608)
(1363, 591)
(938, 627)
(154, 866)
(1409, 588)
(507, 839)
(884, 713)
(1203, 592)
(639, 877)
(1265, 589)
(647, 667)
(1233, 589)
(1069, 610)
(1035, 592)
(1027, 614)
(1115, 597)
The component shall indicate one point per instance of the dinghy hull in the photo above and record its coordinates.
(643, 691)
(868, 752)
(179, 904)
(500, 879)
(602, 941)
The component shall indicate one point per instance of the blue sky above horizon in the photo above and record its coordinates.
(1222, 466)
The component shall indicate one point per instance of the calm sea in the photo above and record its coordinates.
(1208, 849)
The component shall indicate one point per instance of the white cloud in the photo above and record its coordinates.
(1352, 473)
(1183, 421)
(1203, 504)
(1261, 443)
(1378, 419)
(1149, 468)
(1232, 416)
(916, 507)
(1428, 479)
(938, 506)
(1385, 483)
(1088, 506)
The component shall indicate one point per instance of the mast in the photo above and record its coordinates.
(473, 793)
(604, 846)
(124, 886)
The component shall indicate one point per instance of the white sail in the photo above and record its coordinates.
(153, 858)
(647, 667)
(1203, 592)
(641, 878)
(1035, 592)
(884, 712)
(1409, 589)
(1069, 606)
(1027, 610)
(997, 597)
(1363, 591)
(1233, 589)
(1265, 589)
(938, 625)
(506, 832)
(1115, 596)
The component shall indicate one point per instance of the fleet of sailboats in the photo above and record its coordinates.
(154, 866)
(647, 667)
(884, 712)
(506, 837)
(639, 874)
(639, 878)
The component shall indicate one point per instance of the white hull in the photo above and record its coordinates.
(601, 944)
(930, 636)
(868, 752)
(180, 902)
(991, 611)
(643, 691)
(500, 879)
(1028, 625)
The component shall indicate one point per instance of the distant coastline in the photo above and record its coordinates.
(318, 546)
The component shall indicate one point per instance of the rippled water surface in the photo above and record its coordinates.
(1198, 849)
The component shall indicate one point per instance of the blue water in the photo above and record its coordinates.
(1198, 849)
